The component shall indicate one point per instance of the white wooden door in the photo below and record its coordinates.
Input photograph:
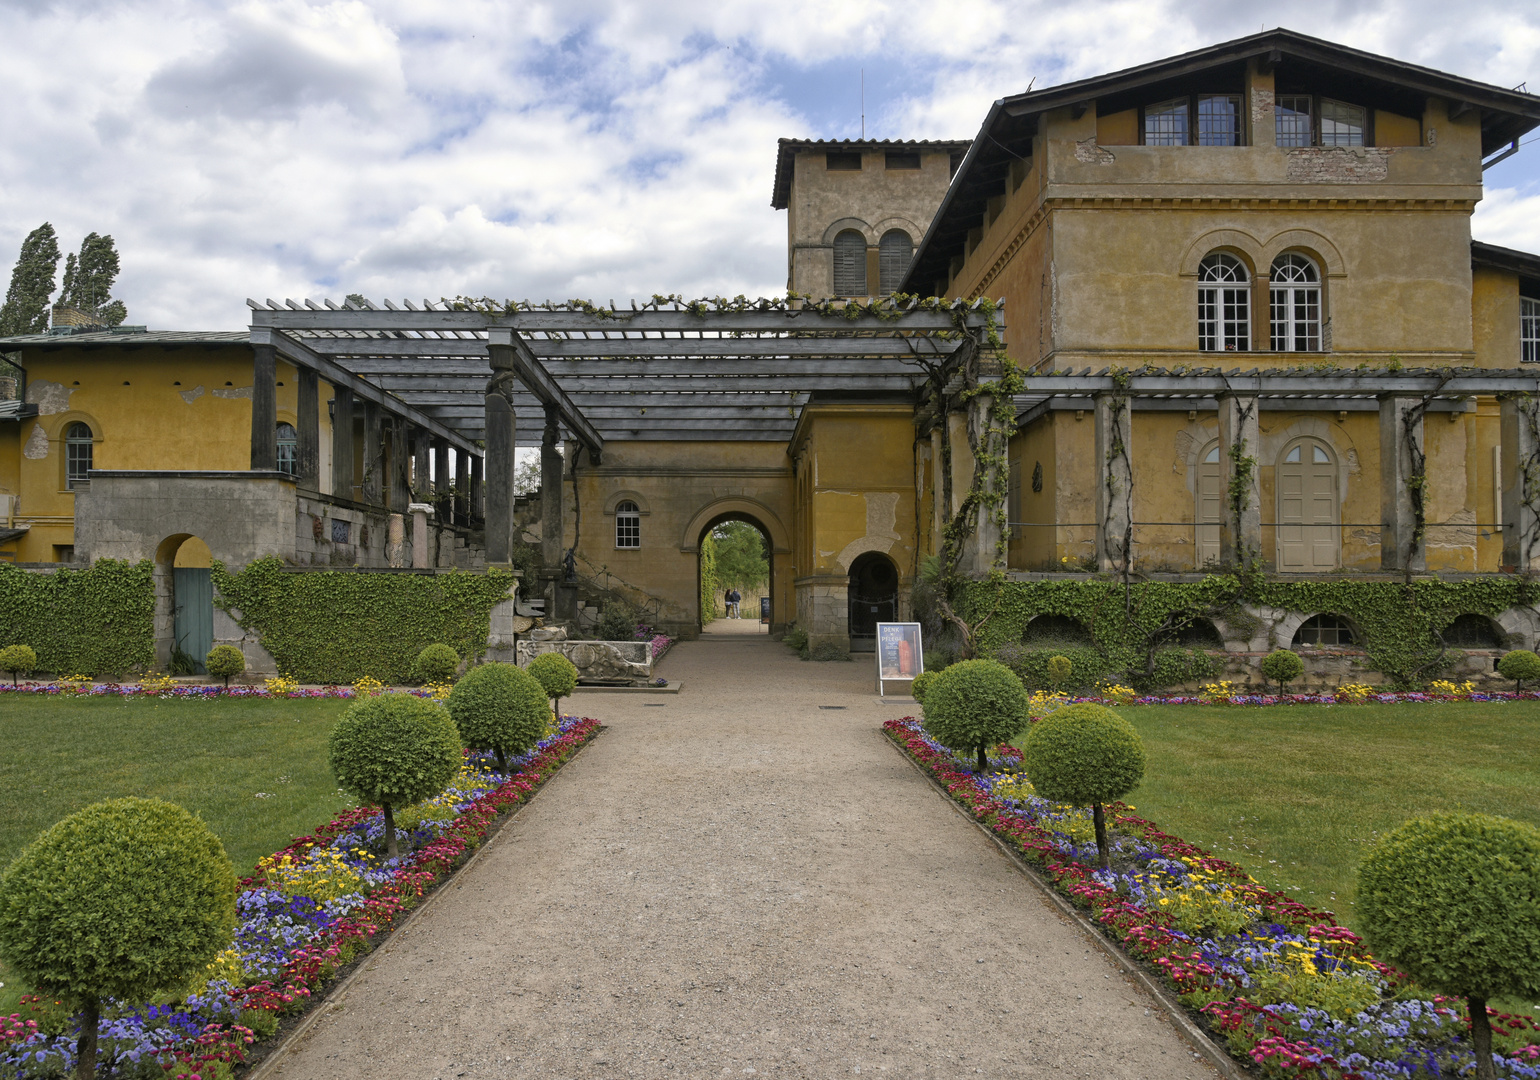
(1308, 537)
(1210, 507)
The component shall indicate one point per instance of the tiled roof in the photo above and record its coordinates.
(790, 147)
(131, 338)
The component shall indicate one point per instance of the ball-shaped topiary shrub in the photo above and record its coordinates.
(922, 682)
(436, 663)
(975, 705)
(126, 898)
(1282, 666)
(1059, 670)
(1454, 899)
(556, 675)
(1519, 665)
(1084, 755)
(225, 661)
(394, 750)
(18, 660)
(501, 708)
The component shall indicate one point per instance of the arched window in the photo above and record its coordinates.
(893, 254)
(628, 525)
(1324, 630)
(1224, 304)
(1295, 299)
(1309, 540)
(77, 454)
(1208, 494)
(850, 264)
(288, 449)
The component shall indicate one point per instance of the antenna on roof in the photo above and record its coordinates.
(863, 104)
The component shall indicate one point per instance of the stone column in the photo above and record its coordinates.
(1114, 481)
(308, 450)
(342, 443)
(400, 465)
(374, 458)
(1521, 485)
(422, 556)
(395, 541)
(443, 498)
(1399, 520)
(979, 558)
(551, 507)
(421, 452)
(500, 442)
(1240, 543)
(264, 407)
(473, 491)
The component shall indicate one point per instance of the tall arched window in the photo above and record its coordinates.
(77, 454)
(628, 525)
(1295, 299)
(288, 449)
(1209, 498)
(893, 254)
(850, 264)
(1224, 304)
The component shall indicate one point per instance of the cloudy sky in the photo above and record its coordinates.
(594, 148)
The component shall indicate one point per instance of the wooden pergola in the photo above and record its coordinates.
(526, 375)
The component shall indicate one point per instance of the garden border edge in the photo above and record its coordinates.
(1175, 1010)
(271, 1062)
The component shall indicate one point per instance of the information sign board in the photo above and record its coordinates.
(899, 656)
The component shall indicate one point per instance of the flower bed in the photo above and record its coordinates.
(1280, 983)
(309, 909)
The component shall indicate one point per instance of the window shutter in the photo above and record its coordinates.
(850, 264)
(894, 252)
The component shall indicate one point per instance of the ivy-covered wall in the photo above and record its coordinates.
(1132, 630)
(335, 627)
(99, 621)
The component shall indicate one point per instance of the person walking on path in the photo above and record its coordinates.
(734, 598)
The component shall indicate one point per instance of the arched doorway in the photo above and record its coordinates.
(185, 623)
(734, 554)
(1308, 508)
(873, 598)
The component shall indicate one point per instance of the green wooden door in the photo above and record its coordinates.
(193, 624)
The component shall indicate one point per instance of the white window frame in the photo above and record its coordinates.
(1224, 304)
(628, 526)
(1294, 304)
(1529, 330)
(76, 448)
(288, 462)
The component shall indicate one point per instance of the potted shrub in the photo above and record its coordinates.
(394, 750)
(1085, 755)
(125, 899)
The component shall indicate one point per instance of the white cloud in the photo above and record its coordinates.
(594, 148)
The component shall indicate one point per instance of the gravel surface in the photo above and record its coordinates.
(734, 881)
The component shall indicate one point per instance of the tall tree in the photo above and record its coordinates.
(26, 301)
(740, 555)
(89, 277)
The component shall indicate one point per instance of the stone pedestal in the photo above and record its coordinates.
(422, 554)
(395, 541)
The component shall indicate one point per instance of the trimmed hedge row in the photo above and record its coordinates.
(99, 621)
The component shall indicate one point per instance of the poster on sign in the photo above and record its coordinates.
(899, 657)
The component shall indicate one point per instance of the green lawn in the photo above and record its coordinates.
(1295, 794)
(254, 769)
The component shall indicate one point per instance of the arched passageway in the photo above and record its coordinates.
(737, 560)
(184, 603)
(873, 598)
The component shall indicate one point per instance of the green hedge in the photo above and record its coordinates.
(336, 627)
(99, 621)
(1397, 621)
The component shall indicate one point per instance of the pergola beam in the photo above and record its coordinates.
(539, 382)
(929, 348)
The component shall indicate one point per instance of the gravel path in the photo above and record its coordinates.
(735, 882)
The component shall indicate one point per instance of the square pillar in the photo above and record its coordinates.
(422, 557)
(308, 449)
(421, 451)
(1240, 540)
(342, 443)
(984, 543)
(473, 491)
(443, 497)
(551, 508)
(400, 465)
(1396, 492)
(500, 440)
(374, 457)
(1521, 484)
(264, 407)
(1114, 482)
